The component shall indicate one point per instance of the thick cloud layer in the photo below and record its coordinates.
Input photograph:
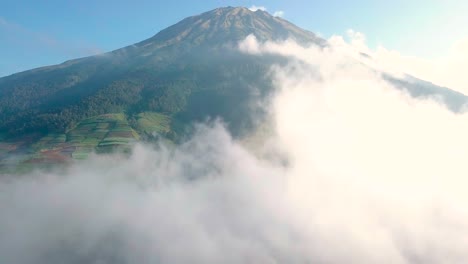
(448, 70)
(372, 176)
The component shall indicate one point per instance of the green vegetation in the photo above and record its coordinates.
(150, 122)
(187, 73)
(100, 134)
(187, 81)
(101, 131)
(154, 89)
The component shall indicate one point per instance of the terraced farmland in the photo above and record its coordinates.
(153, 123)
(103, 133)
(100, 134)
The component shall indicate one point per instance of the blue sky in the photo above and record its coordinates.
(36, 33)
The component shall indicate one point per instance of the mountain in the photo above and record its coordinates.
(158, 87)
(169, 73)
(187, 72)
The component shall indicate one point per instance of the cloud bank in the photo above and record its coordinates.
(372, 175)
(447, 70)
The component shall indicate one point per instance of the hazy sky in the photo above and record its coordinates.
(37, 33)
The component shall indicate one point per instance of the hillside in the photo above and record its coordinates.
(188, 72)
(196, 59)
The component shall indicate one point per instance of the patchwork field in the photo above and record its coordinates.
(100, 134)
(153, 123)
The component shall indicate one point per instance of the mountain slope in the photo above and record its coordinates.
(167, 73)
(188, 72)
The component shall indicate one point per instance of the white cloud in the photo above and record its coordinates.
(448, 70)
(372, 176)
(32, 42)
(375, 170)
(278, 13)
(255, 8)
(250, 45)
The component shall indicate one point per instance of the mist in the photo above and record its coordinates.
(447, 69)
(367, 174)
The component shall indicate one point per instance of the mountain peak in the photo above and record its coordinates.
(230, 9)
(235, 10)
(229, 25)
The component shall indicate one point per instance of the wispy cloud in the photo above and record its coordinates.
(255, 8)
(278, 13)
(448, 70)
(11, 30)
(3, 22)
(21, 36)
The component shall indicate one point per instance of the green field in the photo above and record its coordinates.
(150, 122)
(100, 134)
